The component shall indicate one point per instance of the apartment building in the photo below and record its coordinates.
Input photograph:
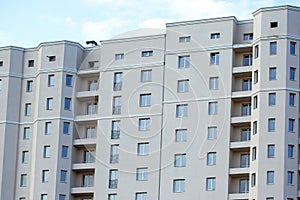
(205, 109)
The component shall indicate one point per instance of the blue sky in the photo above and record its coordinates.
(28, 23)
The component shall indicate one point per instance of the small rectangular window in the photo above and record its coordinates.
(147, 53)
(290, 151)
(248, 36)
(67, 103)
(212, 133)
(115, 129)
(141, 196)
(1, 63)
(290, 177)
(271, 151)
(144, 124)
(210, 183)
(145, 100)
(50, 80)
(0, 84)
(273, 24)
(213, 108)
(214, 83)
(183, 86)
(292, 73)
(215, 35)
(215, 58)
(48, 128)
(23, 181)
(146, 75)
(64, 151)
(245, 134)
(271, 124)
(44, 196)
(253, 153)
(143, 149)
(119, 56)
(272, 99)
(116, 108)
(293, 48)
(66, 127)
(45, 176)
(184, 39)
(25, 157)
(30, 63)
(29, 86)
(114, 153)
(26, 133)
(291, 125)
(253, 180)
(27, 109)
(181, 135)
(51, 58)
(69, 80)
(142, 174)
(178, 185)
(63, 176)
(180, 160)
(270, 177)
(292, 99)
(256, 51)
(46, 152)
(182, 110)
(247, 60)
(183, 62)
(272, 73)
(118, 79)
(211, 158)
(273, 48)
(254, 127)
(255, 76)
(49, 104)
(62, 197)
(255, 102)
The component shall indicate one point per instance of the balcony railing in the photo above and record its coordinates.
(115, 134)
(114, 159)
(113, 184)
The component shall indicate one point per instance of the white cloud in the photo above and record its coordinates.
(69, 21)
(102, 30)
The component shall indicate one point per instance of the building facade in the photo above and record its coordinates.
(205, 109)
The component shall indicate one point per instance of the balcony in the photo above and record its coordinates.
(87, 95)
(241, 120)
(83, 166)
(241, 69)
(85, 118)
(236, 196)
(237, 171)
(82, 190)
(113, 184)
(240, 145)
(241, 94)
(85, 142)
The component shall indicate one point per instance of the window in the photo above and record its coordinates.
(64, 151)
(183, 85)
(30, 63)
(181, 135)
(183, 62)
(272, 99)
(245, 134)
(66, 127)
(254, 127)
(271, 150)
(245, 160)
(247, 85)
(248, 36)
(142, 174)
(271, 124)
(141, 196)
(210, 183)
(292, 73)
(50, 80)
(270, 177)
(214, 83)
(272, 73)
(292, 99)
(290, 178)
(144, 124)
(119, 56)
(146, 75)
(26, 133)
(255, 102)
(184, 39)
(48, 128)
(244, 186)
(22, 198)
(23, 182)
(51, 58)
(212, 133)
(291, 125)
(213, 108)
(94, 64)
(112, 196)
(247, 61)
(90, 132)
(179, 185)
(63, 176)
(116, 109)
(215, 58)
(256, 51)
(69, 80)
(62, 197)
(1, 63)
(273, 24)
(211, 158)
(253, 153)
(118, 78)
(147, 53)
(115, 130)
(113, 179)
(25, 155)
(143, 149)
(215, 35)
(293, 48)
(44, 197)
(253, 179)
(45, 176)
(0, 84)
(271, 198)
(46, 153)
(29, 86)
(67, 105)
(290, 151)
(89, 156)
(93, 85)
(114, 153)
(180, 160)
(49, 104)
(91, 108)
(273, 48)
(27, 109)
(145, 100)
(87, 180)
(255, 76)
(246, 109)
(182, 110)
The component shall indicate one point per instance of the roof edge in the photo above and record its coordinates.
(272, 8)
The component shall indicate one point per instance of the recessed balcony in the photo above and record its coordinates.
(237, 171)
(236, 196)
(82, 190)
(83, 166)
(240, 145)
(86, 142)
